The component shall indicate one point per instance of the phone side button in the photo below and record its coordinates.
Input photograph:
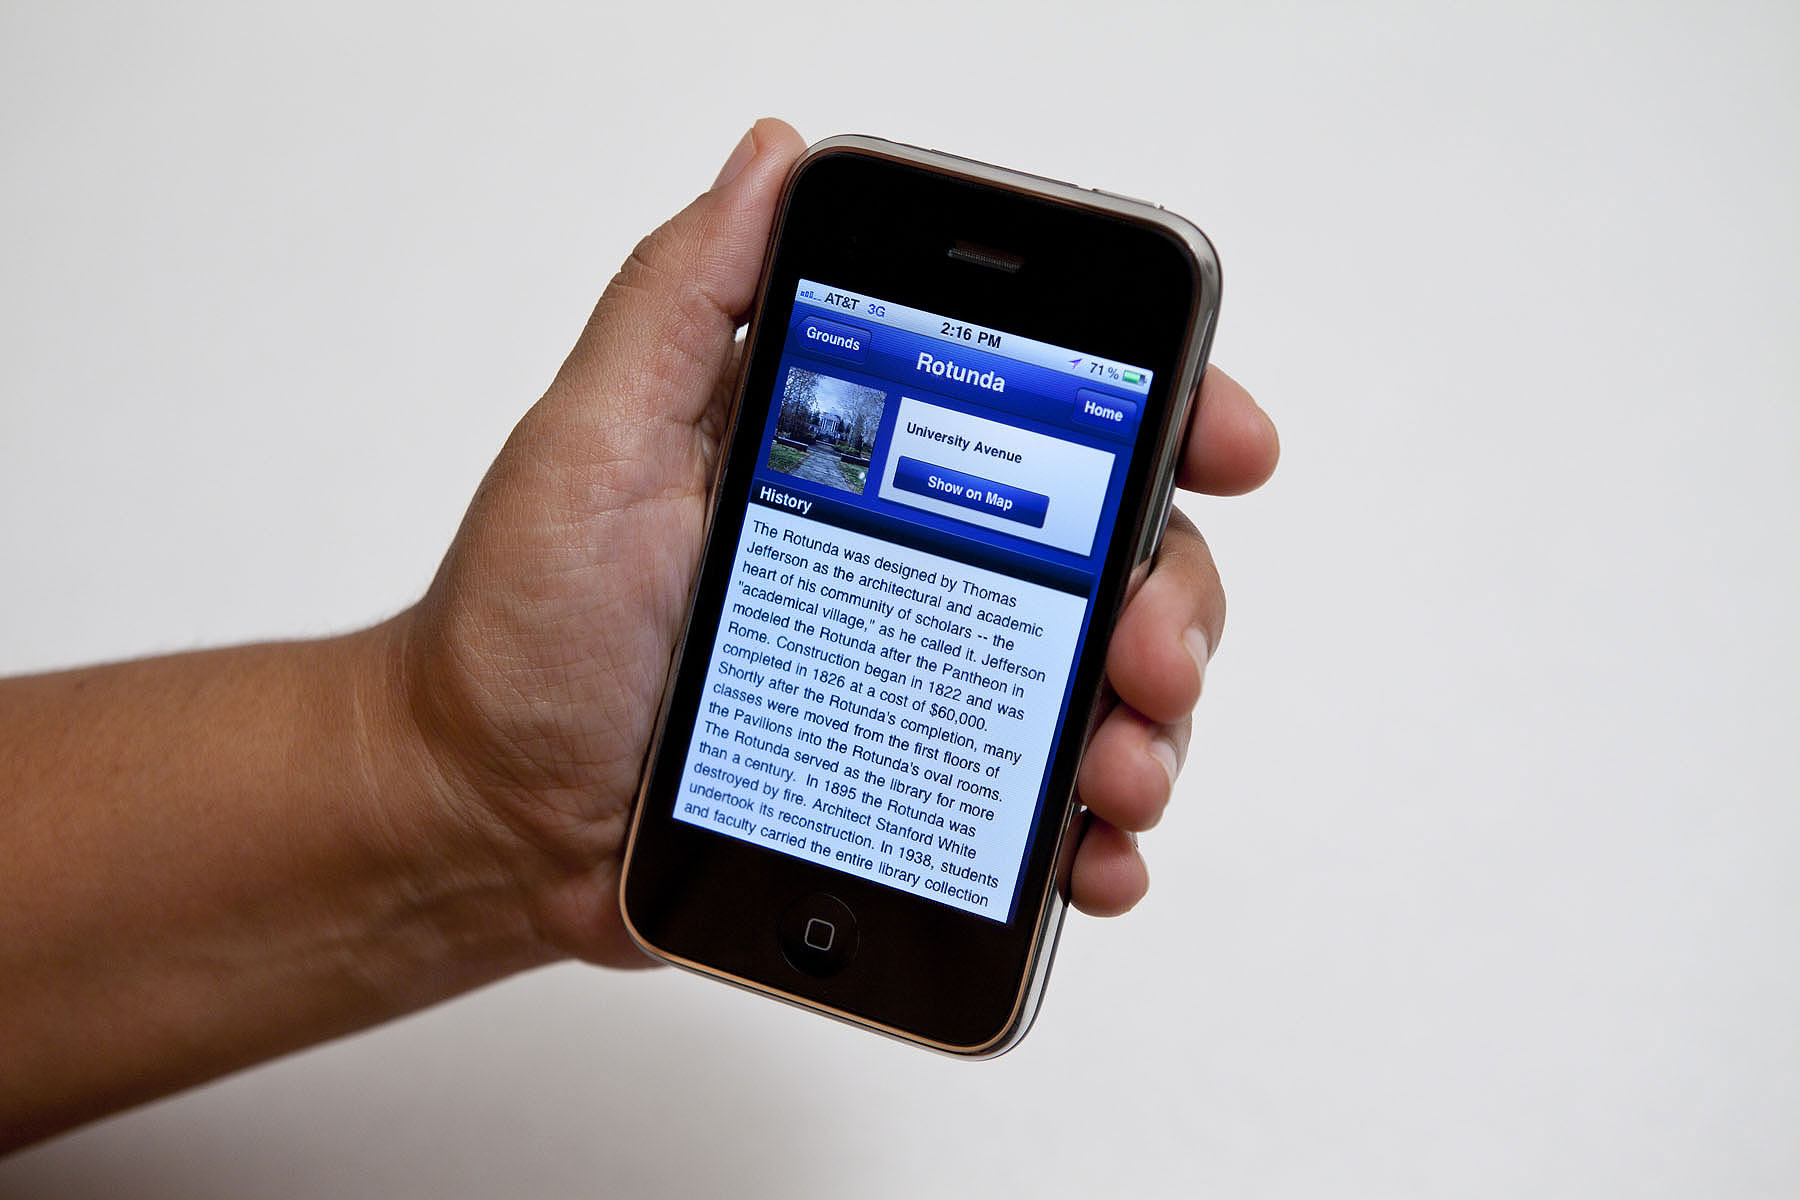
(818, 935)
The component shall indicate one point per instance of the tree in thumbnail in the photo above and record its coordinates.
(818, 407)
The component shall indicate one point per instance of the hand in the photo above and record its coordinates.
(535, 665)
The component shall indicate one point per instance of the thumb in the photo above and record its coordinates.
(662, 333)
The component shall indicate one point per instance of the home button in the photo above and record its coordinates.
(818, 935)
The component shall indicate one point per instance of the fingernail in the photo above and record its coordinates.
(1163, 751)
(1198, 647)
(741, 155)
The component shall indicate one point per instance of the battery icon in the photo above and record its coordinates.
(1134, 377)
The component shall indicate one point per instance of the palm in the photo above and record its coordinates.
(550, 628)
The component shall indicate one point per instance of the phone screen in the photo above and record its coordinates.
(912, 582)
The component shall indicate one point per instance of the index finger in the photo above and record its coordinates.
(1232, 445)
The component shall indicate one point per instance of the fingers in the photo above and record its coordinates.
(1109, 875)
(1232, 444)
(1158, 656)
(662, 332)
(1128, 772)
(1156, 664)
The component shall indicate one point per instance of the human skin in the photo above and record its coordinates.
(215, 858)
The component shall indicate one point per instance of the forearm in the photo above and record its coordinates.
(210, 859)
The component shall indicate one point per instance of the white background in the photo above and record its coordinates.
(1482, 879)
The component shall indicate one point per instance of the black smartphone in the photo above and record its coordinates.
(964, 395)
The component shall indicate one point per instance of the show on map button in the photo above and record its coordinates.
(834, 338)
(970, 491)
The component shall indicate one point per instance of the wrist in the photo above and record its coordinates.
(525, 788)
(460, 892)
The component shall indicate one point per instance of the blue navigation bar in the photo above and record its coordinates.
(1089, 368)
(962, 372)
(971, 491)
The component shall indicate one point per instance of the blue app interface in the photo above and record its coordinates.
(912, 583)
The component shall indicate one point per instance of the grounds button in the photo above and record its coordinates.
(834, 338)
(818, 934)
